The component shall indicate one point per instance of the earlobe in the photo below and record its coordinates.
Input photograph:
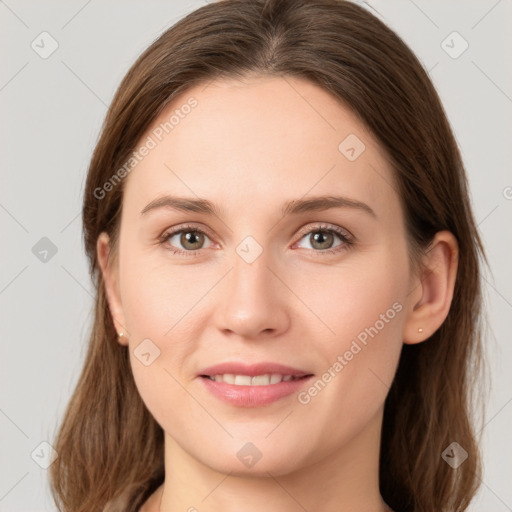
(432, 291)
(111, 283)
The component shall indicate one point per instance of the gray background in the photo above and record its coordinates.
(51, 114)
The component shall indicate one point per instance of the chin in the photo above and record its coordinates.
(244, 458)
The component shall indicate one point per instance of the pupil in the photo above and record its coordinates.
(322, 235)
(189, 238)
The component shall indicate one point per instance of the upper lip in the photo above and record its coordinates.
(252, 370)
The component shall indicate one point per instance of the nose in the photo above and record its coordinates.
(255, 303)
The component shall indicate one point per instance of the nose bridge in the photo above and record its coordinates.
(250, 280)
(253, 302)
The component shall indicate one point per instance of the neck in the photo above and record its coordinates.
(346, 480)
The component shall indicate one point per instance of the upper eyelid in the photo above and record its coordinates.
(326, 227)
(173, 231)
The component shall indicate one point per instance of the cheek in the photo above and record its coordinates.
(350, 298)
(159, 296)
(364, 308)
(162, 307)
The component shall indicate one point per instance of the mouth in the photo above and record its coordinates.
(256, 380)
(257, 385)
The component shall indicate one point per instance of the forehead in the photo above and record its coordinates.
(260, 138)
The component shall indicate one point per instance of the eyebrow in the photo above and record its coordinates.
(293, 207)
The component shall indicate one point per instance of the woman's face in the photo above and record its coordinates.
(267, 279)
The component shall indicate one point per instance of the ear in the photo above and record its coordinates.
(111, 280)
(431, 292)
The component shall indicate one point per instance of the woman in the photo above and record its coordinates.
(288, 277)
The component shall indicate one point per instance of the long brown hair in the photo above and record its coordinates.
(110, 447)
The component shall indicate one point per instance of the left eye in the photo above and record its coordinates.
(321, 239)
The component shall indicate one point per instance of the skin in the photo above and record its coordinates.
(249, 146)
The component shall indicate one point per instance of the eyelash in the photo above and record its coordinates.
(343, 235)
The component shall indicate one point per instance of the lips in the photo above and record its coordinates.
(257, 380)
(253, 370)
(254, 385)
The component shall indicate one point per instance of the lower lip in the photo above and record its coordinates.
(253, 396)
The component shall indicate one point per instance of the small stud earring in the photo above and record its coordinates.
(420, 330)
(120, 336)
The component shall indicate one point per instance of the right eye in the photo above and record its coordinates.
(189, 237)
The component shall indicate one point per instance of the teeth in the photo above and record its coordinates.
(262, 380)
(242, 380)
(229, 378)
(275, 378)
(258, 380)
